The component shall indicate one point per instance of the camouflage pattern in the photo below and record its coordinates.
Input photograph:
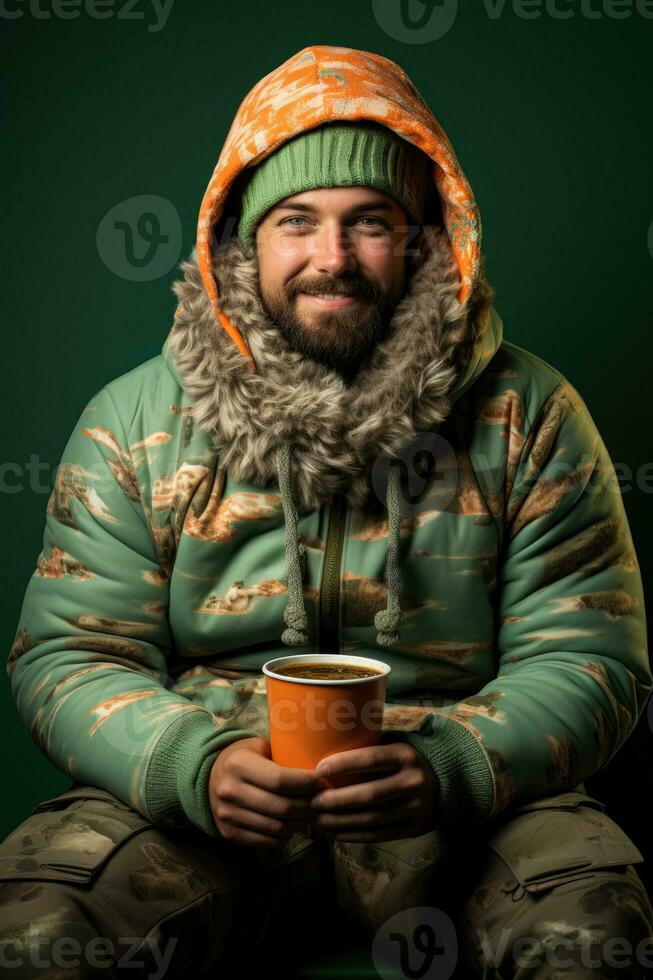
(86, 883)
(168, 903)
(544, 886)
(160, 590)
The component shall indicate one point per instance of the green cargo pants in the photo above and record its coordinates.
(90, 888)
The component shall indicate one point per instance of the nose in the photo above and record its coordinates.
(333, 252)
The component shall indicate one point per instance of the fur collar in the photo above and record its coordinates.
(337, 431)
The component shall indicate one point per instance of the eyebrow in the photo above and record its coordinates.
(365, 206)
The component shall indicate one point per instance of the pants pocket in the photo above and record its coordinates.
(559, 839)
(70, 837)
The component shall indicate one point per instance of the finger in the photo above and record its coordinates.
(247, 820)
(283, 780)
(371, 758)
(360, 819)
(269, 804)
(365, 794)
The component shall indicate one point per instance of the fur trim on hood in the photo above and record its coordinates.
(336, 430)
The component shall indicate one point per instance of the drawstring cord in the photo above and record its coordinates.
(386, 620)
(294, 614)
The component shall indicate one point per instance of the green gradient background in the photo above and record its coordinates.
(551, 121)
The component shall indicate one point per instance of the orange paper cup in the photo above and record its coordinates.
(310, 719)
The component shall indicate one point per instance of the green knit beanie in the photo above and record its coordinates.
(338, 155)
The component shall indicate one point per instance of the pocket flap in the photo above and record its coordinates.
(561, 801)
(548, 845)
(68, 839)
(80, 791)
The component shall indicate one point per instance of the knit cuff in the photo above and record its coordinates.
(461, 765)
(176, 785)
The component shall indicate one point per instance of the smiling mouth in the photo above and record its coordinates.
(331, 299)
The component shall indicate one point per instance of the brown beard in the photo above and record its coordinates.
(340, 339)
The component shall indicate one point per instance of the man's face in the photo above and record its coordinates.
(347, 242)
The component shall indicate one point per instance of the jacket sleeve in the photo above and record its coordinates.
(87, 667)
(573, 673)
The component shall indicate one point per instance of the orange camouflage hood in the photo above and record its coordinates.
(325, 83)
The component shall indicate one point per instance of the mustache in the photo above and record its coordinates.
(336, 287)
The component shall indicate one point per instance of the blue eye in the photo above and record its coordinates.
(297, 217)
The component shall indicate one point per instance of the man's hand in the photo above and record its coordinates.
(255, 801)
(402, 804)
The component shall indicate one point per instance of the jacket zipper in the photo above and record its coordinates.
(329, 601)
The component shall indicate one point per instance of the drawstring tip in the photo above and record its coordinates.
(387, 639)
(296, 633)
(386, 623)
(294, 638)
